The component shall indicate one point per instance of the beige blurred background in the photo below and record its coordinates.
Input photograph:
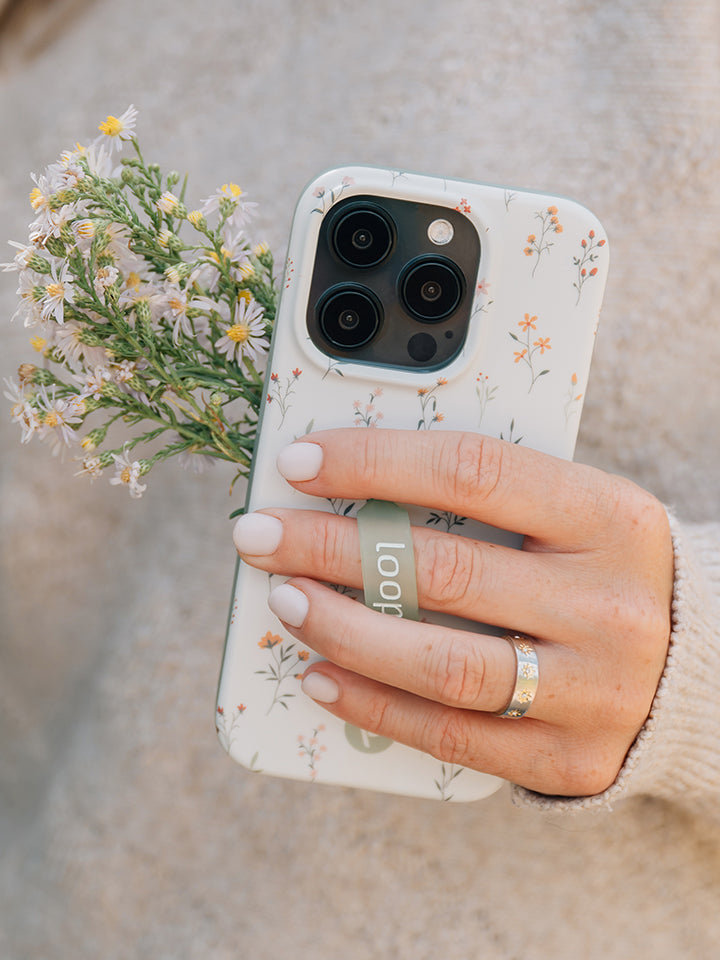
(124, 830)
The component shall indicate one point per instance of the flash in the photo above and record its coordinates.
(440, 232)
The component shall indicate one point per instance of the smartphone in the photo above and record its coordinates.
(408, 301)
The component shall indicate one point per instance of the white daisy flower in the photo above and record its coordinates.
(105, 277)
(91, 467)
(21, 411)
(98, 157)
(68, 343)
(92, 384)
(59, 290)
(128, 472)
(51, 222)
(117, 129)
(56, 416)
(246, 336)
(30, 294)
(21, 258)
(227, 199)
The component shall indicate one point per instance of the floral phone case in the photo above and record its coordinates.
(521, 375)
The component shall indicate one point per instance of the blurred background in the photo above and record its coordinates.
(124, 831)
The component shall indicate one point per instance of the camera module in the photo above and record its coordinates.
(349, 316)
(431, 288)
(362, 235)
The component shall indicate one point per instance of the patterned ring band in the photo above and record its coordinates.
(526, 681)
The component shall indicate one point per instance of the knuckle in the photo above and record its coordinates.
(448, 737)
(583, 770)
(474, 468)
(325, 545)
(450, 568)
(376, 713)
(459, 674)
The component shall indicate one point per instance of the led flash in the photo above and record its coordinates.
(440, 232)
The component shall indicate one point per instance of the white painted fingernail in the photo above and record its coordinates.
(320, 687)
(289, 604)
(300, 461)
(257, 534)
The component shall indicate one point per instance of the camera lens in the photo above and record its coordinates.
(362, 235)
(431, 288)
(349, 316)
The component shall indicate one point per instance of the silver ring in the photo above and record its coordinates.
(526, 680)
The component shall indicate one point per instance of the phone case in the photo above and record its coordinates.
(520, 376)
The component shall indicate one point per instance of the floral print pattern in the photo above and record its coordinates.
(282, 666)
(549, 225)
(528, 352)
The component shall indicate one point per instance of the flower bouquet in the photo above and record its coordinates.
(151, 322)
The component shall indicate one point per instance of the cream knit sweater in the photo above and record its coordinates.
(124, 830)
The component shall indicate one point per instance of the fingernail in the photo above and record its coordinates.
(289, 604)
(300, 461)
(320, 687)
(257, 534)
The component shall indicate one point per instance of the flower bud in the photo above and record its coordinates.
(89, 338)
(43, 377)
(197, 219)
(112, 391)
(38, 264)
(25, 372)
(127, 176)
(172, 178)
(217, 399)
(92, 440)
(55, 246)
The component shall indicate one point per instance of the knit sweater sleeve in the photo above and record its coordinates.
(676, 755)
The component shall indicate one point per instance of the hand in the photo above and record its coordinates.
(592, 585)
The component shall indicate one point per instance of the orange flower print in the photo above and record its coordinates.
(282, 666)
(428, 405)
(589, 247)
(538, 245)
(269, 641)
(528, 352)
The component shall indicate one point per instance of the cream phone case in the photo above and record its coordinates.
(521, 375)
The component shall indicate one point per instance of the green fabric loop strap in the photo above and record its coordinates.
(388, 559)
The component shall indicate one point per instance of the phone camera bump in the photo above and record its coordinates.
(349, 316)
(362, 235)
(431, 288)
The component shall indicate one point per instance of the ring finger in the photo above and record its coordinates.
(455, 668)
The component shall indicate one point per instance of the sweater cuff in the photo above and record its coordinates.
(676, 755)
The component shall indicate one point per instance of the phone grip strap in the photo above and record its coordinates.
(388, 559)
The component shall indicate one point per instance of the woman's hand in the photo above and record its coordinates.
(592, 586)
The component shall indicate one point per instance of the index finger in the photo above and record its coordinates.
(493, 481)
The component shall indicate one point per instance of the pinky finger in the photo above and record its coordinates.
(525, 752)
